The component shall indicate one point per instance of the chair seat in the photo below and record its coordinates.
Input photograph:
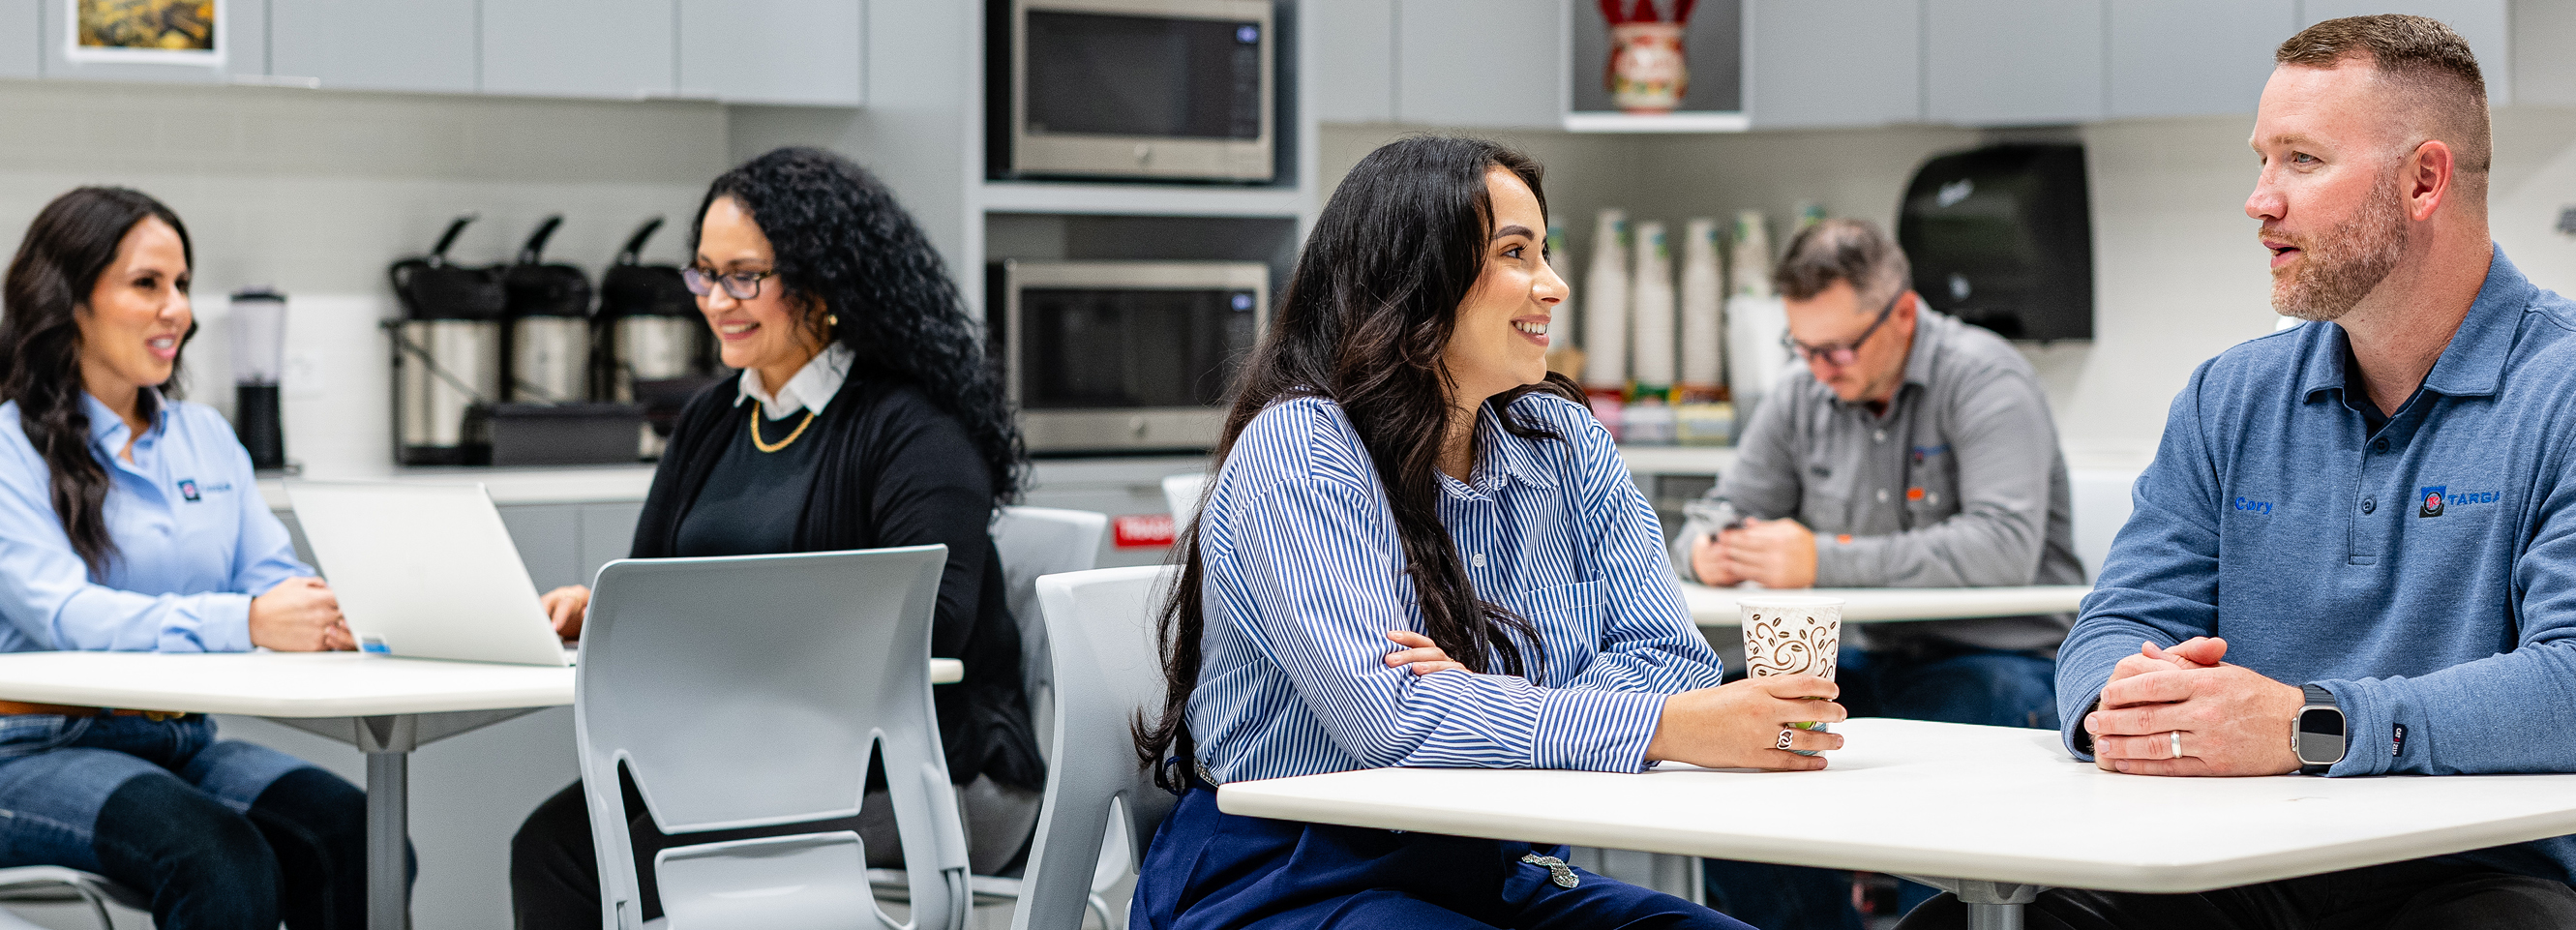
(54, 884)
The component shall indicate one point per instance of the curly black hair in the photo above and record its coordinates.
(840, 239)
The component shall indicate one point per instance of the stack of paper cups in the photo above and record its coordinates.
(1605, 302)
(1750, 265)
(1703, 365)
(1652, 296)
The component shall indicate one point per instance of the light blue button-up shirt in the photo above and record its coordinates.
(194, 540)
(1304, 576)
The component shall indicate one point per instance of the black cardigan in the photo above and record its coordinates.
(895, 470)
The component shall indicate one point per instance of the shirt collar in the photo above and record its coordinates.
(105, 425)
(812, 387)
(1504, 456)
(1929, 327)
(2472, 365)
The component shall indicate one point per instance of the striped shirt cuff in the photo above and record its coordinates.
(1595, 731)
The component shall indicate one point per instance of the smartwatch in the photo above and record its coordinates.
(2317, 736)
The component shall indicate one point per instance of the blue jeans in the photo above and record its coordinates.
(218, 834)
(1957, 684)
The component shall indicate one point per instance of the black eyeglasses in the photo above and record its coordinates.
(1840, 353)
(741, 285)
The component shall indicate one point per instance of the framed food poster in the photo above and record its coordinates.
(170, 32)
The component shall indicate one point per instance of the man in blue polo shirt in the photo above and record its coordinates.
(2355, 552)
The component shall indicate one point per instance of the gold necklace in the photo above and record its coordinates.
(756, 442)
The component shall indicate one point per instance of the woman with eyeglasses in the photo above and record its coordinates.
(865, 417)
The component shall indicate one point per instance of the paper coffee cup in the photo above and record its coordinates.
(1792, 634)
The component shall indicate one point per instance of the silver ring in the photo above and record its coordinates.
(1785, 737)
(2177, 742)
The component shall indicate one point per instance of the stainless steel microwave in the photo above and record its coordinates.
(1163, 89)
(1125, 356)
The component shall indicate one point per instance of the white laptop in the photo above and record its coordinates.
(425, 571)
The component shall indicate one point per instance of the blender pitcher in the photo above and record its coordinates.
(259, 355)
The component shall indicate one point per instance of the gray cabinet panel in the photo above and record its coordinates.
(2013, 62)
(607, 535)
(2194, 57)
(772, 51)
(415, 45)
(241, 36)
(578, 48)
(1849, 63)
(22, 41)
(1479, 63)
(2482, 22)
(1353, 44)
(548, 537)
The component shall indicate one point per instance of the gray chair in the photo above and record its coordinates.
(1181, 494)
(751, 691)
(1035, 541)
(54, 884)
(1101, 624)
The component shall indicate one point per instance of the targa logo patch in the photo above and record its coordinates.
(2439, 498)
(188, 489)
(2433, 498)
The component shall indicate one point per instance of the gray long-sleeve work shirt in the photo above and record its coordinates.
(1958, 484)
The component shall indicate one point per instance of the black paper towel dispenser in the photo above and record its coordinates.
(2002, 237)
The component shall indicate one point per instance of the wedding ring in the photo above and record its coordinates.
(1785, 737)
(2177, 742)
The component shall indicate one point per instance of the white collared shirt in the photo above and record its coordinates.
(811, 388)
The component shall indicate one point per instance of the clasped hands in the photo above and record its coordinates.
(1771, 553)
(1739, 725)
(2231, 720)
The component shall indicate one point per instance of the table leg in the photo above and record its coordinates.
(388, 829)
(1995, 905)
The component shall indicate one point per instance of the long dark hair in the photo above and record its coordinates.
(1362, 322)
(73, 241)
(842, 242)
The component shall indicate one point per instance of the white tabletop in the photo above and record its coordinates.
(1715, 607)
(294, 684)
(1954, 801)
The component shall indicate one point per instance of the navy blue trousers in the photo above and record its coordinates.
(1207, 870)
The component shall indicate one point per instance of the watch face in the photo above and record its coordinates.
(2321, 739)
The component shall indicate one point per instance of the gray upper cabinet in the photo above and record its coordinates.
(803, 52)
(2482, 22)
(548, 537)
(2194, 57)
(1849, 63)
(607, 535)
(1479, 63)
(241, 37)
(416, 45)
(21, 39)
(580, 48)
(1351, 48)
(2013, 62)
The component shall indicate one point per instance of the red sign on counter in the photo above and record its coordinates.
(1142, 530)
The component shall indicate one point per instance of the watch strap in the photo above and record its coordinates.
(2318, 696)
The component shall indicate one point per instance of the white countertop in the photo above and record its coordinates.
(1677, 460)
(1953, 801)
(1715, 607)
(565, 484)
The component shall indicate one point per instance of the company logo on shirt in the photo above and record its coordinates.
(1925, 452)
(188, 489)
(2439, 498)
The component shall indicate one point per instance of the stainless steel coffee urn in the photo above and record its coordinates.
(447, 357)
(549, 325)
(654, 344)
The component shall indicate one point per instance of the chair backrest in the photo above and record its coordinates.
(1181, 493)
(1106, 670)
(750, 691)
(1034, 541)
(2100, 497)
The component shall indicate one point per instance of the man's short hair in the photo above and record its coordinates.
(1843, 249)
(2429, 66)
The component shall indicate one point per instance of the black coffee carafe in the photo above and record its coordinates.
(654, 346)
(447, 356)
(549, 325)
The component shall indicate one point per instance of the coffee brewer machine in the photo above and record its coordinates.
(653, 342)
(549, 325)
(259, 354)
(447, 356)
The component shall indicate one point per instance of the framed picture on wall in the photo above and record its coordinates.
(169, 32)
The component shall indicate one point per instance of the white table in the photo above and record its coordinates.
(384, 706)
(1997, 812)
(1715, 607)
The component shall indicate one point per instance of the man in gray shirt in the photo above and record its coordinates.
(1912, 451)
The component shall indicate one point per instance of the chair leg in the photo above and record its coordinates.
(1101, 908)
(97, 906)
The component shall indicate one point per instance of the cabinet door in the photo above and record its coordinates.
(1353, 54)
(241, 44)
(1479, 63)
(415, 45)
(2194, 57)
(607, 535)
(1847, 63)
(548, 537)
(578, 48)
(22, 41)
(2013, 62)
(772, 51)
(2482, 22)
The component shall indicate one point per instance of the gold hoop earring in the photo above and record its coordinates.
(831, 319)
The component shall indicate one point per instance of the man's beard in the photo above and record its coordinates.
(2339, 268)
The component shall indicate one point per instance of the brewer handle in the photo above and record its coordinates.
(438, 253)
(533, 253)
(633, 253)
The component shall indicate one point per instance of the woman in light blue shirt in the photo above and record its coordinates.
(132, 521)
(1419, 549)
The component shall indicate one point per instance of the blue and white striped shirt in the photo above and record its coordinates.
(1304, 576)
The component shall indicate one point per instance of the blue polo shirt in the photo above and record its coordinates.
(194, 540)
(2424, 571)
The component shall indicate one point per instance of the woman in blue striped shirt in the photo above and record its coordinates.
(1419, 549)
